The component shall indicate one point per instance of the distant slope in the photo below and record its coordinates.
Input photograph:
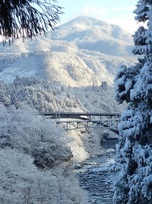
(95, 35)
(79, 53)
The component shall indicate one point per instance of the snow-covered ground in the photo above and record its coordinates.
(82, 52)
(66, 71)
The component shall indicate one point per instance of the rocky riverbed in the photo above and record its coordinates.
(94, 177)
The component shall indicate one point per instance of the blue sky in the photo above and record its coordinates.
(118, 12)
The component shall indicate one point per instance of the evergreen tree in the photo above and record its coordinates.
(27, 18)
(134, 85)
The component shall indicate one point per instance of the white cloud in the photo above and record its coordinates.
(122, 16)
(91, 10)
(127, 24)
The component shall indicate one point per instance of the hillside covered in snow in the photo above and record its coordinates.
(72, 70)
(81, 52)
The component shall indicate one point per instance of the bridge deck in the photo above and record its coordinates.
(82, 115)
(85, 120)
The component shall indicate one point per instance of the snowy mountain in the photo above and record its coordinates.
(81, 52)
(76, 58)
(95, 35)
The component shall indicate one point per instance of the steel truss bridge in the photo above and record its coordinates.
(72, 121)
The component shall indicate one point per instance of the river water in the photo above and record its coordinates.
(94, 177)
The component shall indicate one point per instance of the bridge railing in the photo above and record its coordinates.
(79, 120)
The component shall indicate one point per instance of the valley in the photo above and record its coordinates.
(71, 69)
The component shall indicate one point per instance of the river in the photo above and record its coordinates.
(94, 177)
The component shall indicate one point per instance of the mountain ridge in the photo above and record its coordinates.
(83, 22)
(74, 55)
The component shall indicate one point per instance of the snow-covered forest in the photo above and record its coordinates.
(37, 157)
(67, 71)
(72, 70)
(134, 85)
(34, 160)
(54, 96)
